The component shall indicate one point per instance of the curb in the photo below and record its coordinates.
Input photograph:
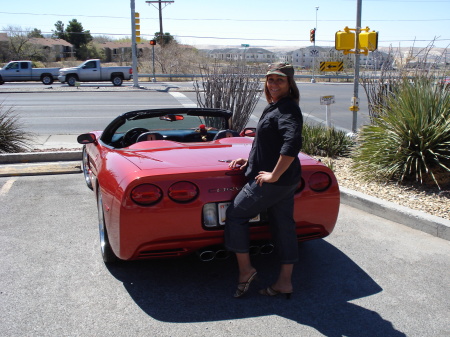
(421, 221)
(64, 162)
(35, 157)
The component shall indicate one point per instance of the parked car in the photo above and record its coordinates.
(20, 71)
(92, 71)
(445, 82)
(162, 183)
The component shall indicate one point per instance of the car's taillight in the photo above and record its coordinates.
(300, 186)
(183, 191)
(130, 71)
(146, 194)
(319, 181)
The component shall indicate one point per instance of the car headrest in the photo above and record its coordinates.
(149, 136)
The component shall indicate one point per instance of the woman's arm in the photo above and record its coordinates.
(240, 162)
(270, 177)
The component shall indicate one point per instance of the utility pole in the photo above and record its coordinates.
(133, 45)
(160, 8)
(355, 99)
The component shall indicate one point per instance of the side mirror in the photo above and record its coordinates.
(86, 138)
(248, 132)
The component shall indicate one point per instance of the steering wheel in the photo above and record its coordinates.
(132, 135)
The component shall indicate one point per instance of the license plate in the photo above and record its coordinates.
(222, 206)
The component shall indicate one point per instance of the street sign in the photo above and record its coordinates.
(314, 52)
(327, 100)
(245, 45)
(331, 66)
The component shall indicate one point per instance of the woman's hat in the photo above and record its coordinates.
(282, 69)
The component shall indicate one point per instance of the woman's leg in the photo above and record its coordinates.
(284, 282)
(281, 217)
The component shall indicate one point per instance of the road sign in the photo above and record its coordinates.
(327, 100)
(331, 66)
(245, 45)
(314, 53)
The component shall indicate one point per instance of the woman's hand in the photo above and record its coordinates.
(240, 163)
(265, 177)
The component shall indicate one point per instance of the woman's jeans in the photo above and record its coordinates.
(252, 200)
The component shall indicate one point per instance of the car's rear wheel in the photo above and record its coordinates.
(117, 80)
(107, 252)
(47, 79)
(86, 169)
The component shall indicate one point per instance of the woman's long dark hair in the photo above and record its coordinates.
(294, 93)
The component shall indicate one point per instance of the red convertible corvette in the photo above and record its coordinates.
(162, 183)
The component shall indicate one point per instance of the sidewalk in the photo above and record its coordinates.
(61, 154)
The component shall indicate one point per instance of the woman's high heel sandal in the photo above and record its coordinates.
(244, 286)
(269, 291)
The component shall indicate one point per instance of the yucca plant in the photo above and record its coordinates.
(410, 140)
(12, 136)
(319, 140)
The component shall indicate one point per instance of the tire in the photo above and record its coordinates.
(1, 81)
(71, 80)
(86, 169)
(117, 80)
(47, 79)
(106, 250)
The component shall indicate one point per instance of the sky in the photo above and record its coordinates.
(258, 23)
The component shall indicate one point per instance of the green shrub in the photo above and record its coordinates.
(319, 140)
(12, 136)
(410, 141)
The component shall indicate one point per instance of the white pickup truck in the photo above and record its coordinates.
(92, 71)
(18, 71)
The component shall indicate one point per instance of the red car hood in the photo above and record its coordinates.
(214, 155)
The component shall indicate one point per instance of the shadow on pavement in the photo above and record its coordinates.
(325, 280)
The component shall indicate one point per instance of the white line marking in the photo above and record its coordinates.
(184, 101)
(7, 186)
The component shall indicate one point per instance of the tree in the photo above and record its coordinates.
(35, 33)
(165, 39)
(20, 48)
(59, 32)
(75, 34)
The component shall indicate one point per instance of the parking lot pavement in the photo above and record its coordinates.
(370, 277)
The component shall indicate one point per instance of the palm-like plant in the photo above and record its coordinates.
(410, 140)
(12, 136)
(320, 140)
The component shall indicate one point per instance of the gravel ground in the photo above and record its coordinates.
(430, 200)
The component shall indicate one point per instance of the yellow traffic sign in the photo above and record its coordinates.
(331, 66)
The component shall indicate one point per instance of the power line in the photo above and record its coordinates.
(225, 19)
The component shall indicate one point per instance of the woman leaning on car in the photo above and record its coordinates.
(274, 172)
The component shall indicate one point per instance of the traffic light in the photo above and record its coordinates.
(368, 40)
(153, 42)
(344, 40)
(137, 27)
(312, 35)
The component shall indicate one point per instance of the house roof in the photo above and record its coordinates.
(50, 42)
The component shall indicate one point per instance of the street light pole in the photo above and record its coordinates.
(313, 80)
(133, 45)
(355, 99)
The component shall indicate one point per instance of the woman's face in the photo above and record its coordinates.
(278, 86)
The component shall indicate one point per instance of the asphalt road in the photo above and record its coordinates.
(370, 277)
(55, 112)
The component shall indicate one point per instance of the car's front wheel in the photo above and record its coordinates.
(71, 80)
(107, 252)
(86, 169)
